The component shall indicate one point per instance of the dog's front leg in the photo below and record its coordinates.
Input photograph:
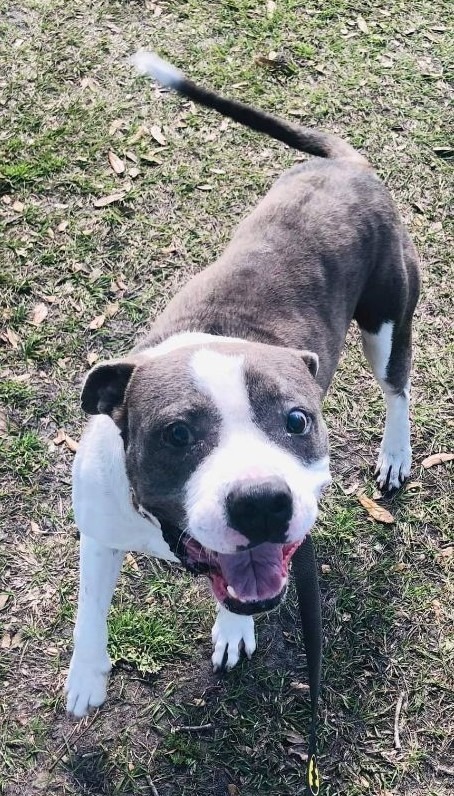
(230, 633)
(90, 663)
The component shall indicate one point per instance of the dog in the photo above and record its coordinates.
(208, 446)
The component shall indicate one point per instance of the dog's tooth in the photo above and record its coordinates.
(232, 592)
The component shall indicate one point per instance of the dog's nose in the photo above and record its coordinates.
(260, 510)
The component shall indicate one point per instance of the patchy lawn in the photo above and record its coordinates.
(78, 282)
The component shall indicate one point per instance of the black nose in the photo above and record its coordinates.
(260, 510)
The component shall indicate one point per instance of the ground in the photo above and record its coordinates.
(78, 282)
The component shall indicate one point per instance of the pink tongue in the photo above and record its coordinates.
(255, 574)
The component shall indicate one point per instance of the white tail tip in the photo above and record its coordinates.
(148, 63)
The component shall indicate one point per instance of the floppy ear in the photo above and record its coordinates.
(311, 360)
(105, 387)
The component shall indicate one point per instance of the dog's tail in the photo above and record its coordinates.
(314, 142)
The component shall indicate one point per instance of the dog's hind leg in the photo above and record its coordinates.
(385, 320)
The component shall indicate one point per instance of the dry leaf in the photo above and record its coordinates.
(326, 569)
(300, 686)
(3, 600)
(88, 82)
(447, 552)
(97, 322)
(298, 753)
(116, 164)
(103, 201)
(71, 443)
(16, 640)
(40, 313)
(156, 133)
(362, 24)
(112, 309)
(92, 357)
(437, 458)
(18, 206)
(293, 737)
(140, 132)
(133, 173)
(233, 790)
(3, 423)
(270, 8)
(117, 124)
(5, 643)
(132, 562)
(34, 527)
(378, 513)
(349, 490)
(62, 226)
(131, 156)
(438, 611)
(60, 438)
(205, 187)
(13, 338)
(150, 158)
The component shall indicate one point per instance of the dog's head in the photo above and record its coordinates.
(225, 444)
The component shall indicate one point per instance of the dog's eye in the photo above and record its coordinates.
(178, 434)
(298, 422)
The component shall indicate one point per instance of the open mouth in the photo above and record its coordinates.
(247, 582)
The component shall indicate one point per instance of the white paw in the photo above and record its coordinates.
(393, 466)
(86, 684)
(231, 632)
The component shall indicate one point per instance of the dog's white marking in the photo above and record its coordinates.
(101, 495)
(185, 340)
(90, 663)
(243, 452)
(230, 632)
(147, 63)
(394, 458)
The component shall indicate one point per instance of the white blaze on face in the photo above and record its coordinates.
(244, 453)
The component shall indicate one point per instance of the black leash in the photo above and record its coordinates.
(308, 593)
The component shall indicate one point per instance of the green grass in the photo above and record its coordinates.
(66, 98)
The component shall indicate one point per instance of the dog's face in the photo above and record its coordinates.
(226, 445)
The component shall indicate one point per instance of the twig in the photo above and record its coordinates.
(65, 745)
(153, 787)
(193, 728)
(400, 701)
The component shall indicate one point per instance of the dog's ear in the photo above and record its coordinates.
(311, 360)
(105, 387)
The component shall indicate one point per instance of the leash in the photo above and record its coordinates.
(308, 592)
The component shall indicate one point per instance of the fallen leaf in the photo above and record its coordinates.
(133, 173)
(3, 600)
(294, 737)
(62, 226)
(437, 458)
(270, 8)
(60, 438)
(3, 423)
(13, 338)
(103, 201)
(131, 156)
(349, 490)
(97, 322)
(205, 187)
(40, 313)
(112, 309)
(18, 206)
(362, 24)
(233, 790)
(300, 686)
(88, 82)
(116, 164)
(34, 527)
(447, 552)
(140, 132)
(378, 513)
(156, 133)
(132, 562)
(150, 158)
(92, 357)
(5, 643)
(117, 124)
(298, 753)
(6, 199)
(326, 569)
(437, 609)
(16, 640)
(71, 443)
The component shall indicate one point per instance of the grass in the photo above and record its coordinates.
(66, 98)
